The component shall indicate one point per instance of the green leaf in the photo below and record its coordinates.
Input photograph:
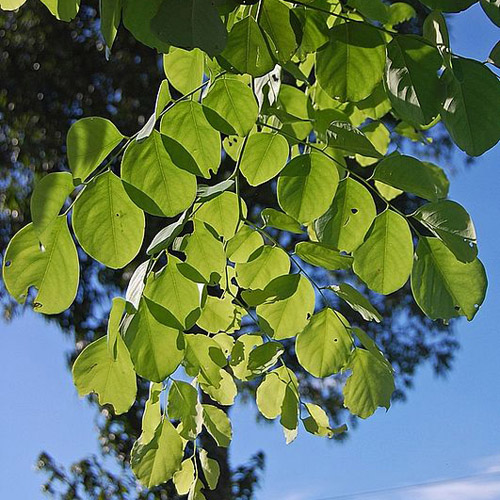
(369, 344)
(240, 355)
(357, 301)
(152, 178)
(285, 318)
(385, 259)
(246, 50)
(163, 97)
(137, 17)
(156, 462)
(204, 255)
(278, 395)
(218, 425)
(151, 417)
(176, 297)
(184, 478)
(114, 381)
(279, 220)
(352, 64)
(450, 222)
(264, 357)
(411, 175)
(270, 395)
(378, 134)
(156, 349)
(314, 29)
(52, 268)
(222, 213)
(111, 14)
(165, 237)
(64, 10)
(186, 123)
(204, 356)
(113, 329)
(211, 469)
(318, 254)
(324, 346)
(344, 136)
(219, 315)
(108, 226)
(190, 24)
(243, 244)
(318, 422)
(471, 106)
(306, 186)
(373, 9)
(347, 221)
(264, 157)
(376, 105)
(11, 4)
(275, 19)
(225, 393)
(449, 5)
(206, 193)
(492, 10)
(184, 68)
(436, 31)
(183, 406)
(399, 12)
(234, 105)
(48, 198)
(265, 264)
(411, 79)
(443, 286)
(370, 385)
(89, 142)
(294, 108)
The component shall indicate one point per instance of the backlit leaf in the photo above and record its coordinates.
(264, 157)
(443, 286)
(152, 178)
(52, 268)
(89, 142)
(348, 219)
(156, 349)
(108, 226)
(370, 385)
(318, 254)
(324, 346)
(114, 381)
(385, 259)
(306, 186)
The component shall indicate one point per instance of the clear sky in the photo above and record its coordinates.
(442, 444)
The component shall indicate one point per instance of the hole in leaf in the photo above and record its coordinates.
(8, 263)
(41, 247)
(118, 215)
(354, 210)
(476, 306)
(37, 305)
(335, 340)
(308, 315)
(457, 308)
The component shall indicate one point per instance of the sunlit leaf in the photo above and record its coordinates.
(52, 268)
(108, 226)
(89, 142)
(324, 346)
(114, 381)
(385, 259)
(443, 286)
(306, 186)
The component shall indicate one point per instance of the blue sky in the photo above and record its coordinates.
(447, 435)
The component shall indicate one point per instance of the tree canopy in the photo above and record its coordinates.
(305, 101)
